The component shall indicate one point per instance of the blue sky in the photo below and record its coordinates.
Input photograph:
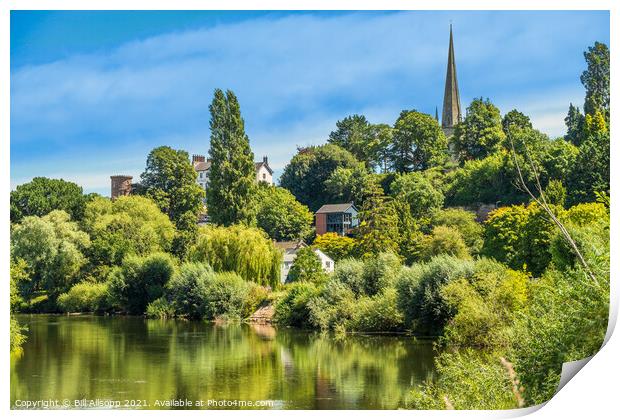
(93, 92)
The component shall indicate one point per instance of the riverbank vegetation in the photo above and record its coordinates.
(495, 241)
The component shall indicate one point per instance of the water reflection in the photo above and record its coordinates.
(131, 358)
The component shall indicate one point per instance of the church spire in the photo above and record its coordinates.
(451, 114)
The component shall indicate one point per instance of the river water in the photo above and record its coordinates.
(94, 362)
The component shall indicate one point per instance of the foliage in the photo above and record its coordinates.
(378, 228)
(140, 280)
(226, 295)
(419, 292)
(466, 380)
(240, 249)
(565, 320)
(346, 185)
(306, 173)
(485, 305)
(443, 240)
(555, 193)
(418, 192)
(17, 336)
(281, 216)
(596, 80)
(515, 118)
(418, 143)
(463, 221)
(292, 308)
(333, 308)
(43, 195)
(355, 134)
(480, 134)
(160, 308)
(18, 275)
(377, 313)
(335, 246)
(169, 179)
(574, 125)
(187, 291)
(85, 297)
(53, 248)
(591, 170)
(380, 272)
(306, 267)
(129, 225)
(232, 174)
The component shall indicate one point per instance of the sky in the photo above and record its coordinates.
(93, 92)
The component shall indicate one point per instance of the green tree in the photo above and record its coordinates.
(346, 185)
(480, 134)
(378, 228)
(281, 216)
(465, 222)
(140, 280)
(306, 173)
(555, 193)
(418, 143)
(232, 176)
(443, 240)
(170, 181)
(244, 250)
(596, 80)
(42, 195)
(53, 247)
(574, 125)
(130, 225)
(355, 134)
(515, 118)
(418, 192)
(335, 246)
(187, 290)
(306, 267)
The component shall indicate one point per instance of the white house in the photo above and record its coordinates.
(202, 166)
(290, 249)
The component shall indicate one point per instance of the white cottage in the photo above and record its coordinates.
(290, 249)
(264, 173)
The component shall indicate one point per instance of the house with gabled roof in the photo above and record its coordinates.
(202, 166)
(338, 218)
(290, 249)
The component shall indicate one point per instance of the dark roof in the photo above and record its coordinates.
(335, 208)
(259, 164)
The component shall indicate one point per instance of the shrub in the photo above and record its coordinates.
(351, 272)
(226, 295)
(333, 308)
(443, 240)
(336, 246)
(187, 290)
(240, 249)
(424, 308)
(307, 266)
(292, 308)
(418, 192)
(377, 313)
(85, 297)
(380, 272)
(467, 380)
(160, 308)
(140, 280)
(465, 222)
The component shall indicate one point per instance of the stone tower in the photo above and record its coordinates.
(451, 114)
(121, 185)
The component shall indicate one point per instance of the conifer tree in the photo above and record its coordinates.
(232, 175)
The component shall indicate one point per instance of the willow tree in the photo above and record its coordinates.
(232, 174)
(244, 250)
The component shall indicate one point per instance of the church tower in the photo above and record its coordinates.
(451, 114)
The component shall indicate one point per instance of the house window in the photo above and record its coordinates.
(347, 217)
(327, 264)
(264, 176)
(201, 175)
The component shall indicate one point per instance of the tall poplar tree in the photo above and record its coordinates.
(232, 175)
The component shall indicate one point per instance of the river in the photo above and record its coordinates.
(90, 361)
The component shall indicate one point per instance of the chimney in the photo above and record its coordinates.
(197, 158)
(265, 160)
